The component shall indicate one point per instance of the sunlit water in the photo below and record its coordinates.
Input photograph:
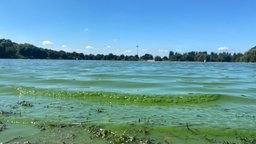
(237, 81)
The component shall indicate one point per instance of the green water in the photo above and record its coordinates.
(215, 96)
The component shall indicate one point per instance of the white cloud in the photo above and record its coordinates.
(64, 46)
(178, 50)
(224, 48)
(108, 46)
(163, 51)
(127, 51)
(118, 50)
(47, 43)
(89, 47)
(143, 50)
(79, 50)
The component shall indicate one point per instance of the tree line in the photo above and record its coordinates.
(12, 50)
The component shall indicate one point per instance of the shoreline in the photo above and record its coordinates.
(102, 129)
(42, 132)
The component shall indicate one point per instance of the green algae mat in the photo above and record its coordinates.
(38, 115)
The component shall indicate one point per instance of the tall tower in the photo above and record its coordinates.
(137, 46)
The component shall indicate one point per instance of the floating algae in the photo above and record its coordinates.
(25, 104)
(65, 132)
(179, 123)
(164, 118)
(121, 98)
(2, 126)
(151, 134)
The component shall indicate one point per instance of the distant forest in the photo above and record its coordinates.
(12, 50)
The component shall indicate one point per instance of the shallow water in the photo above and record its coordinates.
(40, 81)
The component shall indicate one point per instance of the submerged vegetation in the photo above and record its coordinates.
(9, 49)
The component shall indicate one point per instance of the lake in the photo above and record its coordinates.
(205, 95)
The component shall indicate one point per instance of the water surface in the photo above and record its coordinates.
(37, 80)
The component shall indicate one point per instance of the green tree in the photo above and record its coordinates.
(147, 57)
(237, 57)
(165, 58)
(213, 57)
(158, 58)
(250, 56)
(201, 56)
(8, 49)
(53, 55)
(171, 56)
(177, 57)
(190, 56)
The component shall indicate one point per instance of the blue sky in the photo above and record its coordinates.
(117, 26)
